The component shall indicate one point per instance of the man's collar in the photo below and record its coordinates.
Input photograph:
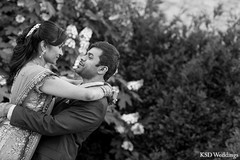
(91, 84)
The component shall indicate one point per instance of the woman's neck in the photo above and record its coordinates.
(39, 61)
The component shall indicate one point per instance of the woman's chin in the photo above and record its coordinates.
(54, 62)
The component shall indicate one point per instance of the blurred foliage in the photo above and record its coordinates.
(189, 102)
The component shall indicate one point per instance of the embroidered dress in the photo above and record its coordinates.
(17, 143)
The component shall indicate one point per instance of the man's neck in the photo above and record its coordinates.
(95, 79)
(92, 82)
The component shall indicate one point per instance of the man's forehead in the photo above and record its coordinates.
(95, 51)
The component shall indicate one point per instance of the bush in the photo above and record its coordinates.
(191, 90)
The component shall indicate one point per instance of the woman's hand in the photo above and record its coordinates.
(4, 107)
(110, 93)
(107, 90)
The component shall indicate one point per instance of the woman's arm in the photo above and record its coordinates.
(73, 81)
(60, 88)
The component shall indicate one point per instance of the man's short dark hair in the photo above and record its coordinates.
(110, 57)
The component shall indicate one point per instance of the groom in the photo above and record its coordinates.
(71, 121)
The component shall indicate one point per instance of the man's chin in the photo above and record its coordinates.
(77, 70)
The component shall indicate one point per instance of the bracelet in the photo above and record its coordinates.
(104, 90)
(107, 90)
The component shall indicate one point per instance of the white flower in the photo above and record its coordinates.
(140, 6)
(20, 18)
(20, 3)
(83, 47)
(113, 17)
(115, 93)
(59, 6)
(127, 145)
(43, 6)
(45, 16)
(60, 1)
(120, 129)
(85, 34)
(137, 129)
(70, 43)
(135, 85)
(20, 32)
(78, 5)
(72, 31)
(13, 42)
(130, 118)
(77, 61)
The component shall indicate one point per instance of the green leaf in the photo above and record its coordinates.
(123, 100)
(92, 16)
(30, 4)
(6, 9)
(11, 30)
(6, 54)
(112, 117)
(4, 45)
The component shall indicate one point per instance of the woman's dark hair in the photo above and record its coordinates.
(27, 44)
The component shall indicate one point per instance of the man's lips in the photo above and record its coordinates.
(81, 63)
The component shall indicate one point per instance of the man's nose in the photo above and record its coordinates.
(83, 58)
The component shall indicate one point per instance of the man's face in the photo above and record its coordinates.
(87, 66)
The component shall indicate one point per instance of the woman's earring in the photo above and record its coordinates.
(43, 52)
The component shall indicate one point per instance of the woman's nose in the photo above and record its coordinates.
(61, 52)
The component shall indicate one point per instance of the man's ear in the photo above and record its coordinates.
(102, 70)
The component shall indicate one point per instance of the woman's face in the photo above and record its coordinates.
(53, 53)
